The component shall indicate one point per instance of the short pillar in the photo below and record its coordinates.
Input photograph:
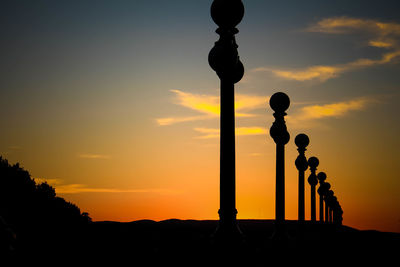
(301, 142)
(313, 162)
(321, 178)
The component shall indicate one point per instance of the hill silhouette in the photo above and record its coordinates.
(189, 241)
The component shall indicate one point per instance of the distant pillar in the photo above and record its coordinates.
(224, 60)
(313, 162)
(301, 142)
(329, 200)
(334, 207)
(339, 215)
(279, 102)
(321, 178)
(325, 191)
(326, 212)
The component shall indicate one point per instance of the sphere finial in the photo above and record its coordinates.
(324, 188)
(302, 140)
(279, 102)
(224, 57)
(313, 162)
(328, 186)
(321, 177)
(227, 13)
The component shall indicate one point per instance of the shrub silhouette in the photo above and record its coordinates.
(34, 212)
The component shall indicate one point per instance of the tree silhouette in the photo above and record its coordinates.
(33, 211)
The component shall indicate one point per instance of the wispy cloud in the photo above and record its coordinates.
(321, 73)
(310, 113)
(81, 188)
(240, 131)
(338, 109)
(250, 102)
(384, 35)
(93, 156)
(52, 182)
(344, 25)
(174, 120)
(207, 133)
(209, 106)
(62, 188)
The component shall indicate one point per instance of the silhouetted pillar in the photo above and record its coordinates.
(338, 214)
(329, 201)
(326, 213)
(279, 102)
(321, 178)
(333, 208)
(313, 162)
(301, 142)
(224, 60)
(327, 187)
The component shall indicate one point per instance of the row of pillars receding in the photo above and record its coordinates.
(333, 211)
(224, 60)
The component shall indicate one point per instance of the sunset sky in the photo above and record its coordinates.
(114, 104)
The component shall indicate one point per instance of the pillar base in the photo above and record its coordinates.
(280, 236)
(228, 231)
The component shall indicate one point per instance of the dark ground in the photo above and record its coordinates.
(189, 243)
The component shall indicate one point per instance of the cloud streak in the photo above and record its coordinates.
(209, 106)
(174, 120)
(209, 133)
(312, 113)
(384, 36)
(62, 188)
(338, 109)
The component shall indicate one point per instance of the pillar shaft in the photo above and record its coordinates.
(321, 208)
(326, 212)
(301, 163)
(313, 162)
(280, 102)
(227, 210)
(280, 183)
(301, 196)
(313, 204)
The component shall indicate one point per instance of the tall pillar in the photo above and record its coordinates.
(280, 102)
(321, 178)
(301, 142)
(224, 60)
(313, 162)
